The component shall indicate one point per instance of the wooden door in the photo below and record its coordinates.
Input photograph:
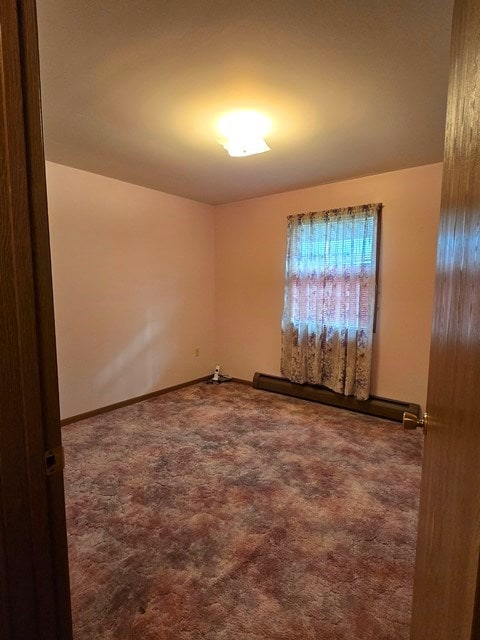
(34, 591)
(447, 564)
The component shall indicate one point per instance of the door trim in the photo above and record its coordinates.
(34, 568)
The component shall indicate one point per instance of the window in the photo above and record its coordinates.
(330, 289)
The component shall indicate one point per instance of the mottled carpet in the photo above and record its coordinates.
(224, 512)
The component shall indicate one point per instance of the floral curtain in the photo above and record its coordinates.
(329, 305)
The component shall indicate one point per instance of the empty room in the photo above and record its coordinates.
(248, 244)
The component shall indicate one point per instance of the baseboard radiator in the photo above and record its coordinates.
(375, 406)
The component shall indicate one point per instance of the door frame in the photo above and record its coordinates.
(34, 591)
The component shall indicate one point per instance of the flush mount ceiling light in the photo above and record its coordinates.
(243, 133)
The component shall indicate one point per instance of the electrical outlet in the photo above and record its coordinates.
(197, 352)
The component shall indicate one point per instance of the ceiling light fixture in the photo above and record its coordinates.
(243, 133)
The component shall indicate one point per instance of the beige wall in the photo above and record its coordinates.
(134, 286)
(139, 274)
(250, 259)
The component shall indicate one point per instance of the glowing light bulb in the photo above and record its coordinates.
(243, 133)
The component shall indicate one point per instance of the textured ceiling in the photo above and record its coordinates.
(132, 89)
